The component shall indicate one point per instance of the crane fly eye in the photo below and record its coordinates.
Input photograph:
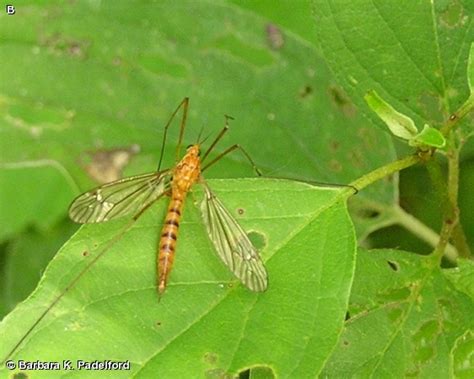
(188, 147)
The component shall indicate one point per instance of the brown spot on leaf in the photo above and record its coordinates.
(340, 99)
(106, 165)
(275, 37)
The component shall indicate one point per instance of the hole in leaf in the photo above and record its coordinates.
(257, 372)
(393, 265)
(257, 239)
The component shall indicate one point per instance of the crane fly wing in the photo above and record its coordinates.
(232, 243)
(119, 198)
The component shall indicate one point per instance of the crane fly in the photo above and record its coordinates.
(133, 195)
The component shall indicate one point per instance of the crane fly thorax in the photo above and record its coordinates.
(187, 171)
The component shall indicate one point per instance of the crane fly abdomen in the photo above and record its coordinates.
(167, 247)
(185, 174)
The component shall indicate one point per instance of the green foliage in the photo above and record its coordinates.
(115, 302)
(407, 321)
(84, 80)
(403, 126)
(428, 137)
(399, 124)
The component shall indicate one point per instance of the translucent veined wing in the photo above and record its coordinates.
(232, 243)
(119, 198)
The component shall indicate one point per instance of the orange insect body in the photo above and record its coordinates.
(136, 194)
(185, 174)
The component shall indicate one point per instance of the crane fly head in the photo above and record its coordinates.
(193, 150)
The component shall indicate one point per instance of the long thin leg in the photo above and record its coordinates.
(219, 136)
(183, 104)
(229, 150)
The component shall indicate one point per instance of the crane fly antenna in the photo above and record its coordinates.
(204, 139)
(199, 136)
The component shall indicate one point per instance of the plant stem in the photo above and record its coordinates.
(384, 171)
(416, 227)
(451, 214)
(460, 241)
(436, 176)
(458, 115)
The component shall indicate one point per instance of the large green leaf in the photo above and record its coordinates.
(406, 320)
(415, 54)
(112, 311)
(94, 75)
(90, 76)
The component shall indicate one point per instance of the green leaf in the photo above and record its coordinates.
(205, 314)
(408, 320)
(462, 277)
(32, 193)
(428, 137)
(119, 88)
(415, 53)
(289, 17)
(120, 70)
(400, 125)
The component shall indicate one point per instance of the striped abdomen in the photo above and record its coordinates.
(169, 235)
(185, 174)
